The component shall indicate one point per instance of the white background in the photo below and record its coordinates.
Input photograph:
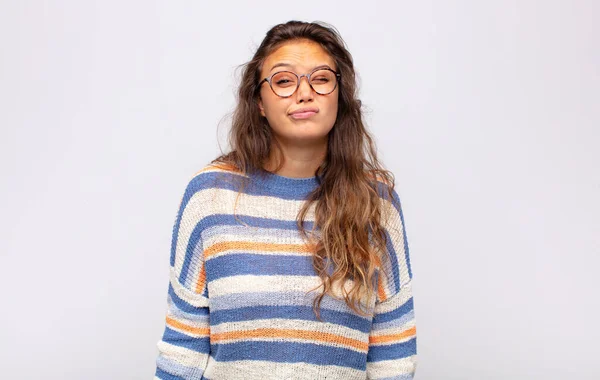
(487, 112)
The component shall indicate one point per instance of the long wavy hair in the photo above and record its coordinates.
(348, 209)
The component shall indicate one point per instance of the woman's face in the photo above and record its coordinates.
(300, 57)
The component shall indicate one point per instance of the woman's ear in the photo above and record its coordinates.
(260, 106)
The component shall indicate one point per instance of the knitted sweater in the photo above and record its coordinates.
(239, 306)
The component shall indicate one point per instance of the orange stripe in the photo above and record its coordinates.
(289, 333)
(380, 289)
(377, 176)
(202, 171)
(220, 166)
(201, 279)
(253, 246)
(394, 337)
(225, 166)
(187, 328)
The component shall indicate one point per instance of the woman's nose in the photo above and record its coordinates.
(304, 89)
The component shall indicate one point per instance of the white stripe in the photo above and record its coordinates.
(393, 224)
(181, 355)
(254, 283)
(390, 368)
(263, 370)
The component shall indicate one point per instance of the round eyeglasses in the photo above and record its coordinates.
(285, 83)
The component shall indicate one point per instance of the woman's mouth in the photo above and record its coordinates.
(303, 115)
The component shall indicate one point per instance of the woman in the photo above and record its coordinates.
(289, 257)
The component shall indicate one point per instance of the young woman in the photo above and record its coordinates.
(289, 257)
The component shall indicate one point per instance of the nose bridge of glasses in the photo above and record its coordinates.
(307, 80)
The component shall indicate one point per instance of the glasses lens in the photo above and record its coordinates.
(284, 83)
(323, 81)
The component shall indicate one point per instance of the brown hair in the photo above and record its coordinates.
(348, 208)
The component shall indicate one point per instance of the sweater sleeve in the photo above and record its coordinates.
(184, 348)
(393, 337)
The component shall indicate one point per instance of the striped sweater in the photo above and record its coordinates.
(237, 304)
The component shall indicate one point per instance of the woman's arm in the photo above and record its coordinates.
(393, 338)
(185, 345)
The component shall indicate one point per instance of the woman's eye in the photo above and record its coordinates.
(282, 82)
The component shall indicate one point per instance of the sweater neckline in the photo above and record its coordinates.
(270, 180)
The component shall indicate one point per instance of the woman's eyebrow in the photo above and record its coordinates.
(284, 64)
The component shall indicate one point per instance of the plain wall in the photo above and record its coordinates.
(487, 112)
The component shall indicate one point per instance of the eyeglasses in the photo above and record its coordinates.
(285, 83)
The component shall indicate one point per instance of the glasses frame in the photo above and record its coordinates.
(270, 78)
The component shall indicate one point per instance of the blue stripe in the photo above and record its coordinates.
(289, 312)
(194, 247)
(232, 220)
(271, 186)
(233, 181)
(392, 351)
(289, 352)
(290, 298)
(184, 306)
(404, 376)
(406, 249)
(260, 265)
(394, 323)
(174, 369)
(162, 375)
(396, 313)
(245, 233)
(179, 314)
(179, 339)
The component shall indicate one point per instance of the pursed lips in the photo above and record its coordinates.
(303, 113)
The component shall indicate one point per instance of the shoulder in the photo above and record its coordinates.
(218, 167)
(213, 175)
(385, 184)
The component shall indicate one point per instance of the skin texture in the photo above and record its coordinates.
(303, 142)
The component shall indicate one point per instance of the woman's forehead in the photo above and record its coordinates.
(298, 56)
